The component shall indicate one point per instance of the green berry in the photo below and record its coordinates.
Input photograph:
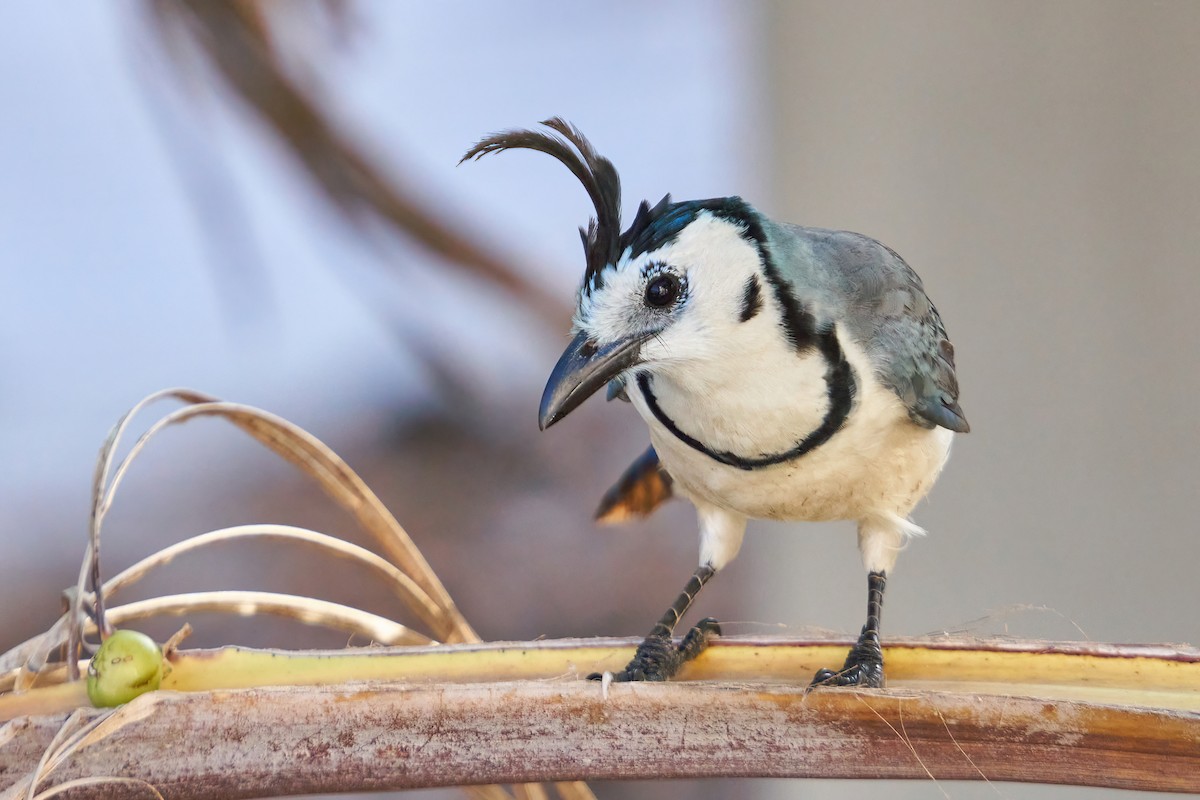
(127, 664)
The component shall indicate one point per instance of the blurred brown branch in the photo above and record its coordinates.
(238, 39)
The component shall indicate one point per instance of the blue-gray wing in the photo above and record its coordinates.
(882, 302)
(917, 358)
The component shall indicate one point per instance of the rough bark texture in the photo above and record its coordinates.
(292, 740)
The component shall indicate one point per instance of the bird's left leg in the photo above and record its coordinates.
(880, 539)
(864, 664)
(658, 658)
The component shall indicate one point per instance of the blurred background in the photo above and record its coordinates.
(260, 200)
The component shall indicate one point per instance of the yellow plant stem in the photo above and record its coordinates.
(1144, 676)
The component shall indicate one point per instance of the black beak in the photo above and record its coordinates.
(582, 369)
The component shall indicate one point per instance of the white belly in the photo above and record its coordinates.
(859, 473)
(879, 464)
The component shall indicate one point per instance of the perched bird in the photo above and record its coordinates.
(784, 372)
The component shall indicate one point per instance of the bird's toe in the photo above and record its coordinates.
(867, 674)
(658, 658)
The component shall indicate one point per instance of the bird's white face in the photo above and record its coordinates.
(676, 302)
(692, 296)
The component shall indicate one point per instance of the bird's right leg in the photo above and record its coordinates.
(658, 658)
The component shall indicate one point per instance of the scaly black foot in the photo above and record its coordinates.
(658, 658)
(863, 667)
(864, 664)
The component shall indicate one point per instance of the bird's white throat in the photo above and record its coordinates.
(730, 401)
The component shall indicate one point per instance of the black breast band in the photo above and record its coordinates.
(840, 387)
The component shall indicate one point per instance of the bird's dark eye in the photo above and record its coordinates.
(662, 291)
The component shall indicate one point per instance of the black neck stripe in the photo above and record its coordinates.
(840, 387)
(798, 324)
(751, 300)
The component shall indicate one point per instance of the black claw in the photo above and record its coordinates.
(822, 677)
(868, 676)
(863, 667)
(658, 658)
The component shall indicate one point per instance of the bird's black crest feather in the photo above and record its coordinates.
(652, 226)
(602, 236)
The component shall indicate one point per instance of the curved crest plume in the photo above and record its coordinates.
(602, 236)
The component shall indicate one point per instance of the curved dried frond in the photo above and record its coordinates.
(102, 496)
(33, 654)
(407, 572)
(29, 658)
(303, 609)
(430, 600)
(336, 478)
(602, 237)
(405, 588)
